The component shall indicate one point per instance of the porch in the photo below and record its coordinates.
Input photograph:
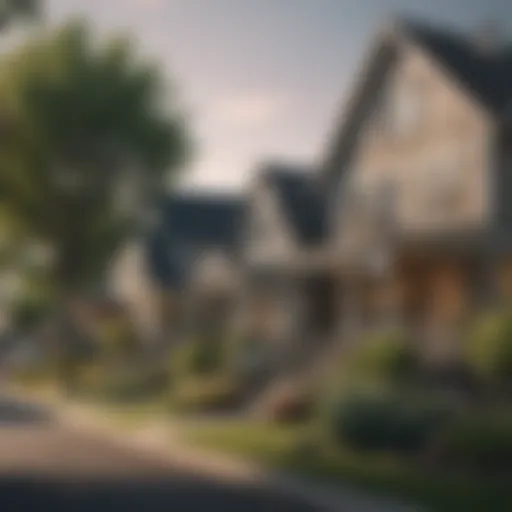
(430, 293)
(292, 311)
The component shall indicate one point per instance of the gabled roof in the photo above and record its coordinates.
(203, 220)
(189, 225)
(486, 73)
(301, 201)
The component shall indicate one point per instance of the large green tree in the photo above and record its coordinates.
(89, 133)
(18, 10)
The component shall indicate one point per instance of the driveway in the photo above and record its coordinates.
(45, 465)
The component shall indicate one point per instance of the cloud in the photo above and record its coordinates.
(147, 5)
(249, 109)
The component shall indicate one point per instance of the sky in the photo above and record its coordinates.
(262, 79)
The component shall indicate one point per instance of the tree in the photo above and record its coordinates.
(86, 142)
(14, 10)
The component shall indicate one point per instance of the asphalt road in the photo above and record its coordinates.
(46, 466)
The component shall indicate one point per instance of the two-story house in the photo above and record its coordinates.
(407, 220)
(420, 181)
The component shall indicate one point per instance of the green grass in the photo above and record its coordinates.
(264, 441)
(279, 447)
(130, 416)
(124, 414)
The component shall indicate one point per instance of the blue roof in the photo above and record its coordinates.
(204, 220)
(189, 225)
(302, 200)
(487, 74)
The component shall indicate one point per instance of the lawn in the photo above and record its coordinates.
(282, 447)
(126, 415)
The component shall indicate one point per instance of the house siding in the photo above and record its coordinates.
(131, 284)
(269, 240)
(450, 142)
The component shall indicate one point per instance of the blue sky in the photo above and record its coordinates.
(262, 79)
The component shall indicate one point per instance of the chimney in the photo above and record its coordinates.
(488, 37)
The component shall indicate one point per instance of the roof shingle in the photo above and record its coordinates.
(486, 73)
(190, 224)
(301, 199)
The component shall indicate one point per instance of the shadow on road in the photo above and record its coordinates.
(192, 495)
(15, 413)
(57, 469)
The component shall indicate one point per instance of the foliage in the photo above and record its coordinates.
(118, 336)
(196, 357)
(480, 441)
(378, 474)
(86, 143)
(17, 10)
(489, 347)
(29, 314)
(206, 393)
(387, 420)
(248, 358)
(385, 355)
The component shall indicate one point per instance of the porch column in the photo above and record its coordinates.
(241, 308)
(292, 314)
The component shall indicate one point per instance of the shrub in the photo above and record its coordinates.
(248, 358)
(489, 347)
(206, 393)
(29, 313)
(478, 442)
(117, 336)
(387, 421)
(196, 358)
(290, 405)
(385, 355)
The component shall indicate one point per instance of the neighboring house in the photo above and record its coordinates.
(420, 177)
(171, 276)
(289, 296)
(407, 222)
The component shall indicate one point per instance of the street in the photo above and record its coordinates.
(47, 466)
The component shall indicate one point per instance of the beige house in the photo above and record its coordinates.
(414, 226)
(421, 176)
(407, 221)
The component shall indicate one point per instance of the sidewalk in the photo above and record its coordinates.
(160, 440)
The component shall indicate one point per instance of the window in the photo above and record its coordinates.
(400, 111)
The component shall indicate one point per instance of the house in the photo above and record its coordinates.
(419, 177)
(405, 221)
(179, 274)
(289, 296)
